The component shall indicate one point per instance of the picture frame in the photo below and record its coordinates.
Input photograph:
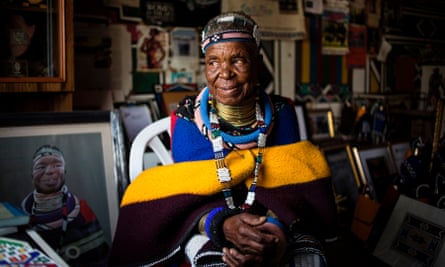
(321, 124)
(398, 151)
(439, 125)
(344, 174)
(32, 41)
(376, 167)
(412, 236)
(432, 84)
(92, 145)
(301, 113)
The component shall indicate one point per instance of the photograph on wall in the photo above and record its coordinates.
(152, 48)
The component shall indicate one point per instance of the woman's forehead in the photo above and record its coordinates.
(48, 159)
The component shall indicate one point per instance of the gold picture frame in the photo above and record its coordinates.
(375, 166)
(439, 125)
(321, 124)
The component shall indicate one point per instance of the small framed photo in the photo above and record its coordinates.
(399, 152)
(321, 124)
(413, 235)
(345, 178)
(91, 147)
(376, 168)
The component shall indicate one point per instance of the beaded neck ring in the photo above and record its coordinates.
(222, 171)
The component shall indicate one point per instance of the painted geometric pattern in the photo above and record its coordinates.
(419, 239)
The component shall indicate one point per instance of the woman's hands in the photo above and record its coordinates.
(256, 241)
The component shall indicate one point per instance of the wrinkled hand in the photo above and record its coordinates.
(254, 238)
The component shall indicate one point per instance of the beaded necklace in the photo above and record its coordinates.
(221, 169)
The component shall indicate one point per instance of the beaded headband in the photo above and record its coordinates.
(233, 26)
(47, 150)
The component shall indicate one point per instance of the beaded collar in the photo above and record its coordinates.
(238, 140)
(223, 172)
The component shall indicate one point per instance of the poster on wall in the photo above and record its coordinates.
(151, 48)
(179, 13)
(282, 20)
(335, 27)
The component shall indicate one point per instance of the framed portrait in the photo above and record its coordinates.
(376, 168)
(398, 152)
(413, 235)
(432, 84)
(321, 124)
(345, 178)
(32, 41)
(92, 148)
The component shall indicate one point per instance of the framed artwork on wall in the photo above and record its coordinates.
(92, 151)
(376, 168)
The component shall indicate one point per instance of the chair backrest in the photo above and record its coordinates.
(149, 137)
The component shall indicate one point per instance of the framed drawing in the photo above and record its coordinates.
(32, 41)
(413, 235)
(92, 151)
(321, 124)
(376, 169)
(345, 178)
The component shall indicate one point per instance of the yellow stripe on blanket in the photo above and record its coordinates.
(282, 165)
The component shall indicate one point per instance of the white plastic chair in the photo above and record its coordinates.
(149, 137)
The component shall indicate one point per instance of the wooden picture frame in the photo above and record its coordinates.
(412, 236)
(344, 174)
(376, 167)
(93, 152)
(42, 33)
(321, 124)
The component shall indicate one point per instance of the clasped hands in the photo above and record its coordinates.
(256, 241)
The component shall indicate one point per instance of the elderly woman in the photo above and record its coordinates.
(244, 191)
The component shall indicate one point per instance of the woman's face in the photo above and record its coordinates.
(48, 174)
(231, 71)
